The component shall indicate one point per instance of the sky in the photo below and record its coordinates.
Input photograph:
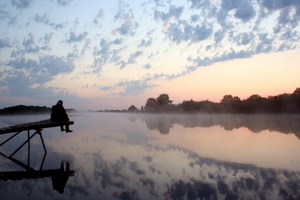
(98, 54)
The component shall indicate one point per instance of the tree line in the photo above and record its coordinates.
(283, 103)
(22, 109)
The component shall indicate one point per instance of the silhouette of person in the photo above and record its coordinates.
(60, 179)
(58, 114)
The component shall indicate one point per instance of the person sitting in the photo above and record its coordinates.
(58, 114)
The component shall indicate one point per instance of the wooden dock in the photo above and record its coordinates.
(37, 127)
(59, 176)
(33, 126)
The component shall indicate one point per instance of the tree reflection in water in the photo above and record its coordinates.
(121, 159)
(255, 123)
(58, 176)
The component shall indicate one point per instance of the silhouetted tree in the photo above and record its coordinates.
(283, 103)
(190, 106)
(132, 108)
(230, 104)
(163, 100)
(161, 103)
(150, 104)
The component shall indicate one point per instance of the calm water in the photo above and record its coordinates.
(136, 156)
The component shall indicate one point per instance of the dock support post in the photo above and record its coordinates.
(28, 140)
(10, 137)
(28, 145)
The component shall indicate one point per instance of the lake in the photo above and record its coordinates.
(155, 156)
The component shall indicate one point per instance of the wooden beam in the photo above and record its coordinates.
(34, 126)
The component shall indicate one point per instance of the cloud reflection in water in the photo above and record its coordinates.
(121, 156)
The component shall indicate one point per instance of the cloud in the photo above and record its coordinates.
(27, 78)
(245, 11)
(134, 87)
(201, 33)
(4, 15)
(99, 16)
(29, 41)
(134, 56)
(21, 4)
(131, 60)
(64, 2)
(127, 28)
(4, 43)
(145, 43)
(230, 4)
(218, 36)
(46, 38)
(195, 18)
(204, 32)
(244, 38)
(172, 12)
(103, 54)
(125, 16)
(183, 31)
(147, 66)
(105, 88)
(76, 38)
(278, 4)
(43, 70)
(28, 47)
(44, 19)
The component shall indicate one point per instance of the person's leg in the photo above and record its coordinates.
(68, 129)
(62, 128)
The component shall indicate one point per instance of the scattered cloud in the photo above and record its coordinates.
(64, 2)
(173, 12)
(134, 87)
(124, 35)
(245, 11)
(145, 43)
(4, 43)
(98, 17)
(21, 4)
(44, 19)
(44, 69)
(76, 38)
(28, 46)
(147, 66)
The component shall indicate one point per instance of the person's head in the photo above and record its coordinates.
(60, 102)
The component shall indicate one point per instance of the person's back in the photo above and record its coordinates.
(58, 113)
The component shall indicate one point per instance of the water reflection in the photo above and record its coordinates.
(255, 123)
(58, 176)
(121, 156)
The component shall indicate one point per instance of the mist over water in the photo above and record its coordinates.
(161, 156)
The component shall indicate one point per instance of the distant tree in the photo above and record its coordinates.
(161, 103)
(297, 92)
(255, 104)
(227, 99)
(296, 97)
(208, 107)
(190, 106)
(150, 104)
(163, 100)
(230, 104)
(132, 108)
(284, 103)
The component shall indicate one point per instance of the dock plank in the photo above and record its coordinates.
(34, 126)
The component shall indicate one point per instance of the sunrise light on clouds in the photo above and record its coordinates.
(112, 54)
